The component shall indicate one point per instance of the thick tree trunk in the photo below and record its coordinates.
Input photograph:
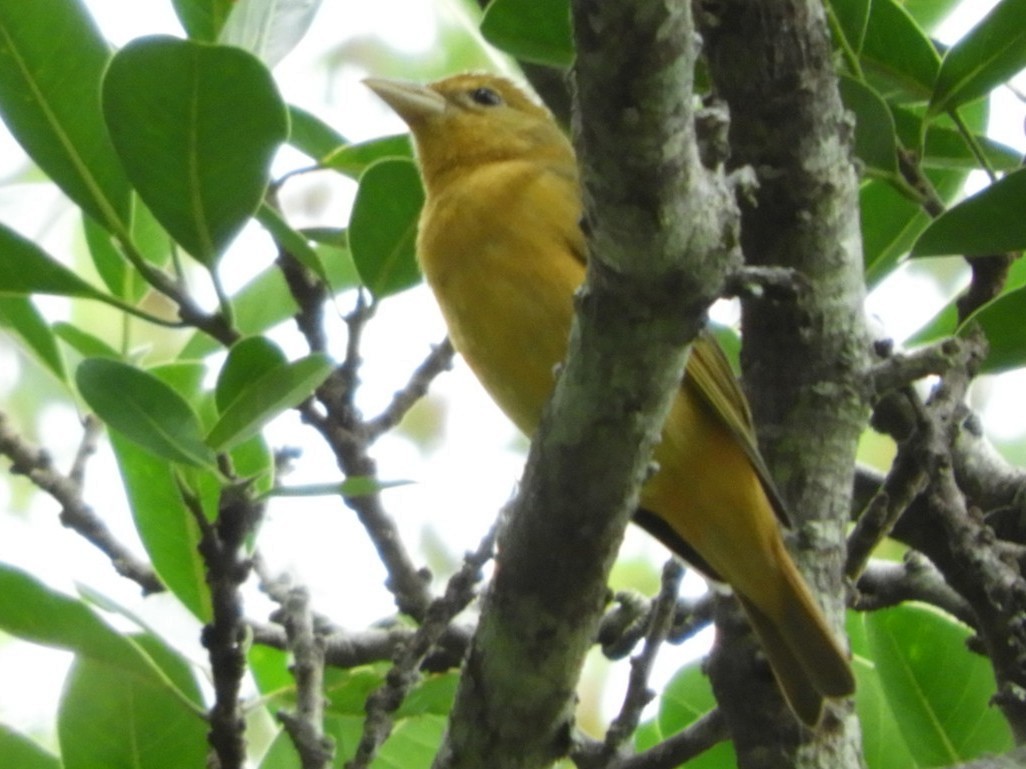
(804, 359)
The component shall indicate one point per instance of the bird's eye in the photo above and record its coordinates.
(486, 97)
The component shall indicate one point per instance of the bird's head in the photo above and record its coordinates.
(467, 121)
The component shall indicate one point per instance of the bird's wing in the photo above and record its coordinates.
(709, 372)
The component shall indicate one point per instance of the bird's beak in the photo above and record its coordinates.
(411, 101)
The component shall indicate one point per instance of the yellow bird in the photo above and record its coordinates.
(500, 246)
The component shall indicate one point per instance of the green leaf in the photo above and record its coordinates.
(20, 315)
(117, 273)
(883, 743)
(946, 148)
(874, 127)
(53, 60)
(412, 744)
(195, 127)
(85, 344)
(991, 221)
(530, 30)
(1002, 322)
(990, 54)
(353, 159)
(944, 719)
(32, 611)
(685, 698)
(269, 29)
(898, 54)
(144, 409)
(890, 225)
(891, 222)
(166, 526)
(853, 17)
(248, 359)
(17, 750)
(108, 720)
(357, 486)
(203, 20)
(25, 268)
(266, 396)
(929, 13)
(383, 226)
(291, 241)
(311, 135)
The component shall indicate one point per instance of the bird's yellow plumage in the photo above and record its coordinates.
(500, 247)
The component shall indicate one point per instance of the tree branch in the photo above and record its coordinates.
(405, 674)
(36, 465)
(221, 547)
(306, 726)
(771, 60)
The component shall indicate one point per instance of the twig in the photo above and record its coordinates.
(437, 361)
(908, 476)
(884, 584)
(899, 370)
(335, 416)
(989, 274)
(37, 465)
(221, 547)
(757, 281)
(700, 736)
(638, 694)
(405, 674)
(306, 726)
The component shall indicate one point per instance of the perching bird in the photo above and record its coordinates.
(500, 246)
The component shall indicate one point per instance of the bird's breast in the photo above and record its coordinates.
(493, 247)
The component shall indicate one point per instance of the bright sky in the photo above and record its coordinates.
(461, 482)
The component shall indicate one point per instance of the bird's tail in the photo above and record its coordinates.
(806, 658)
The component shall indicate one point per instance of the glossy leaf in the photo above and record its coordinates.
(248, 360)
(291, 241)
(165, 525)
(946, 148)
(108, 720)
(85, 344)
(311, 135)
(685, 698)
(991, 53)
(891, 223)
(897, 53)
(144, 409)
(357, 486)
(195, 127)
(149, 239)
(530, 30)
(34, 612)
(18, 750)
(203, 20)
(874, 127)
(1002, 322)
(947, 718)
(883, 743)
(991, 221)
(53, 59)
(929, 13)
(353, 159)
(20, 316)
(265, 397)
(25, 268)
(269, 29)
(383, 226)
(852, 17)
